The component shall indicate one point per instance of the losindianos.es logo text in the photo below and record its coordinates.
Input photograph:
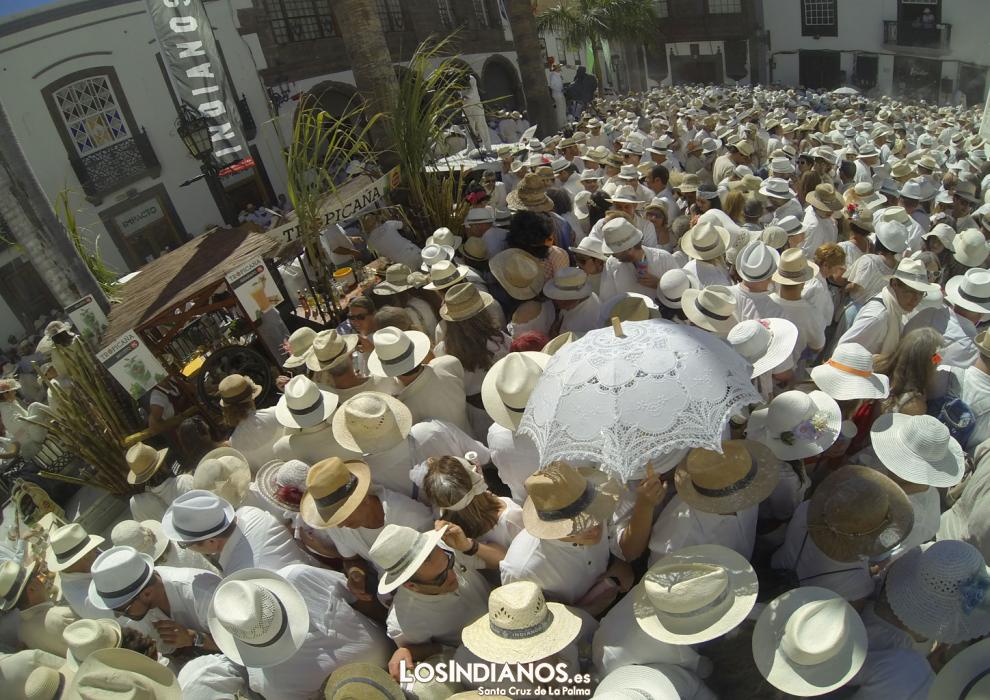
(519, 680)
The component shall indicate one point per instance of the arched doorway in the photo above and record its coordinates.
(500, 84)
(335, 98)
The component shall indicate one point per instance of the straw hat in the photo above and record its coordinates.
(257, 618)
(858, 512)
(300, 341)
(791, 225)
(508, 384)
(794, 268)
(146, 536)
(396, 280)
(196, 516)
(474, 250)
(67, 545)
(9, 384)
(464, 301)
(397, 352)
(825, 198)
(893, 235)
(562, 500)
(689, 183)
(236, 389)
(743, 475)
(624, 194)
(108, 673)
(568, 283)
(966, 676)
(757, 261)
(446, 274)
(848, 375)
(443, 236)
(712, 308)
(521, 627)
(475, 215)
(329, 349)
(519, 273)
(433, 254)
(619, 235)
(44, 683)
(83, 637)
(766, 343)
(371, 422)
(970, 291)
(705, 241)
(970, 247)
(361, 681)
(399, 552)
(940, 592)
(589, 247)
(282, 483)
(334, 488)
(695, 594)
(635, 681)
(225, 472)
(143, 462)
(797, 425)
(781, 165)
(14, 578)
(565, 338)
(809, 641)
(918, 449)
(914, 274)
(672, 285)
(530, 195)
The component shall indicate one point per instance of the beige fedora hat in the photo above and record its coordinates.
(914, 274)
(508, 384)
(705, 241)
(328, 349)
(236, 388)
(334, 488)
(147, 537)
(67, 545)
(83, 637)
(396, 280)
(300, 341)
(445, 274)
(521, 626)
(744, 474)
(399, 551)
(371, 422)
(14, 578)
(712, 308)
(568, 283)
(794, 268)
(397, 352)
(143, 462)
(519, 273)
(619, 235)
(44, 683)
(111, 673)
(225, 472)
(562, 500)
(464, 301)
(825, 198)
(304, 405)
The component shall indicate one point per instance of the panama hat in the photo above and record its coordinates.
(396, 280)
(757, 261)
(809, 641)
(582, 202)
(44, 683)
(744, 474)
(966, 676)
(765, 344)
(83, 637)
(918, 449)
(225, 472)
(637, 681)
(848, 375)
(689, 183)
(865, 195)
(300, 341)
(257, 618)
(774, 236)
(334, 488)
(781, 165)
(970, 247)
(530, 195)
(143, 462)
(589, 247)
(110, 673)
(508, 384)
(443, 236)
(473, 250)
(944, 233)
(902, 169)
(568, 283)
(695, 594)
(146, 536)
(431, 255)
(791, 225)
(914, 274)
(118, 575)
(712, 308)
(67, 545)
(399, 551)
(329, 349)
(797, 425)
(282, 483)
(397, 352)
(237, 389)
(14, 578)
(477, 215)
(705, 241)
(917, 188)
(893, 235)
(446, 274)
(970, 291)
(858, 512)
(361, 681)
(555, 344)
(794, 268)
(562, 500)
(825, 198)
(940, 591)
(624, 194)
(672, 285)
(371, 422)
(196, 516)
(519, 273)
(464, 301)
(619, 235)
(521, 627)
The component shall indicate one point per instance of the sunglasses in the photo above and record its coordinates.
(441, 578)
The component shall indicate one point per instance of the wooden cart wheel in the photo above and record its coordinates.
(234, 359)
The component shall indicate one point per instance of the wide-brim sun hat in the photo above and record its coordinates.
(809, 641)
(966, 676)
(797, 425)
(766, 343)
(743, 475)
(268, 487)
(918, 449)
(848, 375)
(549, 513)
(518, 273)
(225, 472)
(249, 601)
(695, 611)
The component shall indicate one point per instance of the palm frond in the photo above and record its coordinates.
(105, 277)
(569, 21)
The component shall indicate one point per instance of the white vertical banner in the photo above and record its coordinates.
(190, 53)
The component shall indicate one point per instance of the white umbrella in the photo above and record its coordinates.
(845, 91)
(622, 401)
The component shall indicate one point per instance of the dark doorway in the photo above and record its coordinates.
(865, 71)
(972, 83)
(819, 69)
(703, 69)
(500, 84)
(916, 78)
(25, 292)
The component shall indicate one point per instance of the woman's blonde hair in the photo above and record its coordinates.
(446, 482)
(911, 365)
(733, 205)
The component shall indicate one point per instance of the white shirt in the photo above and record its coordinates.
(388, 242)
(499, 348)
(431, 438)
(338, 635)
(416, 618)
(311, 445)
(41, 627)
(75, 593)
(438, 392)
(707, 273)
(817, 292)
(811, 330)
(516, 458)
(255, 437)
(211, 677)
(792, 207)
(494, 239)
(565, 571)
(583, 317)
(259, 541)
(679, 525)
(868, 272)
(619, 277)
(155, 500)
(818, 231)
(160, 398)
(853, 253)
(957, 332)
(927, 516)
(189, 592)
(765, 306)
(898, 673)
(510, 524)
(384, 385)
(869, 328)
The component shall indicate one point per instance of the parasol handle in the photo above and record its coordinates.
(617, 327)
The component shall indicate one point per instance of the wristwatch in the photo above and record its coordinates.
(472, 550)
(198, 638)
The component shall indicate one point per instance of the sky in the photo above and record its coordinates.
(10, 7)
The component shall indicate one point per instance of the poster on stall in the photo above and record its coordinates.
(88, 318)
(254, 288)
(131, 363)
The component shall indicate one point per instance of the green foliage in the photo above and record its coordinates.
(105, 276)
(579, 22)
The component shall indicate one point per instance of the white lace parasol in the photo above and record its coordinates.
(621, 401)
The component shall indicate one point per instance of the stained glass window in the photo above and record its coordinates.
(91, 114)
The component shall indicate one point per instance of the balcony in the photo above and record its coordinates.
(247, 118)
(113, 168)
(926, 40)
